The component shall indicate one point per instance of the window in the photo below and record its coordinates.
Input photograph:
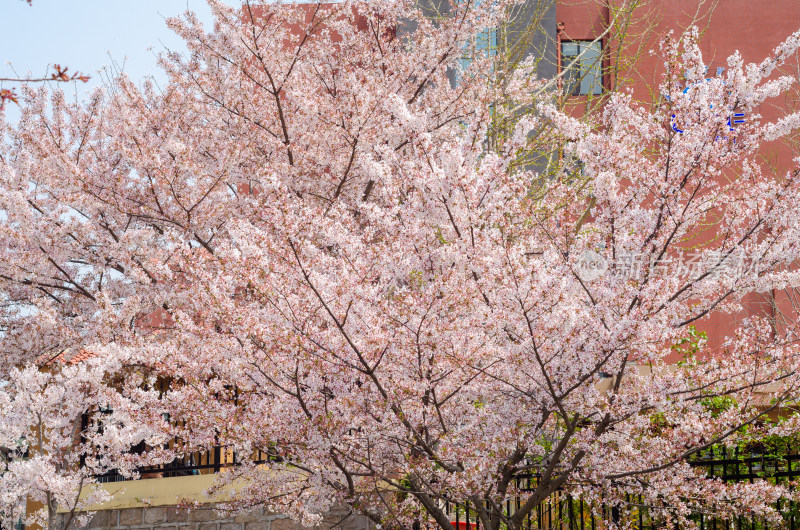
(583, 62)
(485, 45)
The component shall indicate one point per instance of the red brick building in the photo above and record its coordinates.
(625, 38)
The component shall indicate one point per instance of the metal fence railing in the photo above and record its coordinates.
(561, 511)
(565, 512)
(201, 462)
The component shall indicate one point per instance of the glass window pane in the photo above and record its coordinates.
(592, 66)
(569, 49)
(583, 62)
(487, 42)
(570, 63)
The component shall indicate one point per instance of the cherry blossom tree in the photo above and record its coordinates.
(329, 232)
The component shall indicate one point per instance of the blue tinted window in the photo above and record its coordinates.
(583, 65)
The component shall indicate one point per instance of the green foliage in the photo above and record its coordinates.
(659, 423)
(690, 345)
(718, 404)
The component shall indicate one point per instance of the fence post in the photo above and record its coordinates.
(217, 458)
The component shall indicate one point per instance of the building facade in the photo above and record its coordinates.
(619, 41)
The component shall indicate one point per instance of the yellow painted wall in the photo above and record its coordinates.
(158, 492)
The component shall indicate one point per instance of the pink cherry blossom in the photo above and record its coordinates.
(311, 243)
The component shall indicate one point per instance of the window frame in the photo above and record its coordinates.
(596, 66)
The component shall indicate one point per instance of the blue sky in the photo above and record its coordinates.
(87, 35)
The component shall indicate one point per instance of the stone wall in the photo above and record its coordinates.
(205, 517)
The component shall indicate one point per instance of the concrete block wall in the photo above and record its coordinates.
(206, 517)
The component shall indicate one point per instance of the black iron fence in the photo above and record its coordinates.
(564, 512)
(737, 464)
(189, 461)
(755, 462)
(201, 462)
(561, 511)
